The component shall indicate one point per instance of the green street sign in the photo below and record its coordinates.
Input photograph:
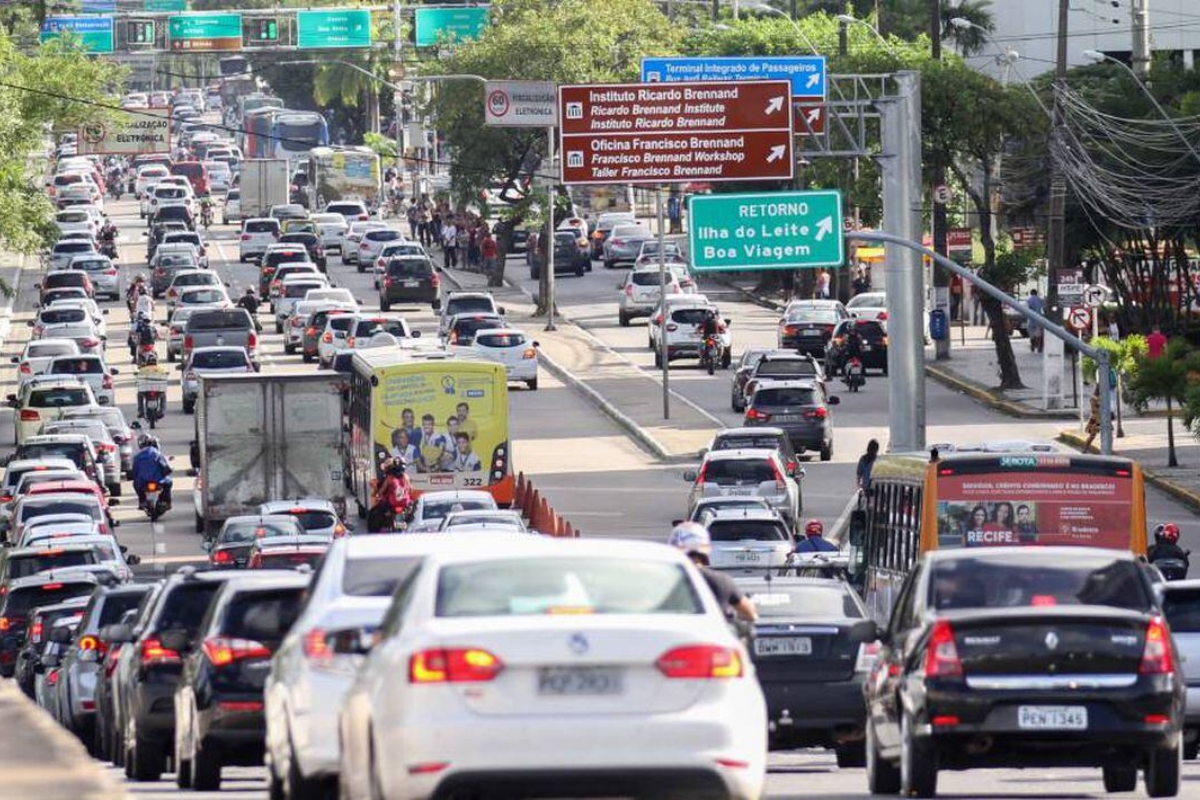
(765, 230)
(165, 5)
(461, 24)
(95, 34)
(343, 27)
(205, 32)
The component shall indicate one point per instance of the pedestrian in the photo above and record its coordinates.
(1114, 330)
(861, 283)
(1093, 424)
(1156, 343)
(450, 244)
(1037, 334)
(426, 221)
(675, 212)
(474, 255)
(489, 251)
(823, 285)
(865, 464)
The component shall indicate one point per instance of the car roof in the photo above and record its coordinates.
(73, 545)
(744, 513)
(310, 503)
(455, 495)
(740, 454)
(765, 430)
(51, 576)
(469, 547)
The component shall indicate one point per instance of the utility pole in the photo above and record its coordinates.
(1139, 12)
(1055, 234)
(941, 276)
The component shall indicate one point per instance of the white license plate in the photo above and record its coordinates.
(580, 680)
(1052, 718)
(787, 417)
(749, 556)
(866, 348)
(735, 492)
(783, 646)
(810, 332)
(410, 284)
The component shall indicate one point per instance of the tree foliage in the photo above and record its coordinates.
(1171, 377)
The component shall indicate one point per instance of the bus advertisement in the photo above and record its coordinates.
(446, 415)
(351, 173)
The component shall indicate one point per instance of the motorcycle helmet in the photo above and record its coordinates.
(814, 527)
(149, 359)
(144, 441)
(1170, 533)
(690, 537)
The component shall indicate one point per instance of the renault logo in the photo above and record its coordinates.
(1051, 640)
(578, 644)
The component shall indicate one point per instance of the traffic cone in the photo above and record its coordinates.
(532, 499)
(545, 518)
(570, 533)
(519, 492)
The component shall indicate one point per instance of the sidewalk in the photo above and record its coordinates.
(618, 388)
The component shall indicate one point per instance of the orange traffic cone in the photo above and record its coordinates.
(519, 492)
(570, 532)
(544, 521)
(532, 499)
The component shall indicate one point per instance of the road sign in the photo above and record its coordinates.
(1070, 287)
(958, 240)
(343, 27)
(98, 6)
(1094, 296)
(205, 32)
(94, 33)
(459, 24)
(806, 73)
(810, 119)
(767, 230)
(165, 5)
(641, 133)
(521, 104)
(145, 131)
(1079, 318)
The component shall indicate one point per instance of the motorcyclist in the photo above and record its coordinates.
(392, 496)
(814, 540)
(1166, 545)
(853, 344)
(710, 328)
(151, 466)
(143, 334)
(206, 206)
(693, 539)
(249, 301)
(149, 370)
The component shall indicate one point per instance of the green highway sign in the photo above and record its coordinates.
(460, 24)
(165, 5)
(766, 230)
(199, 33)
(95, 34)
(342, 27)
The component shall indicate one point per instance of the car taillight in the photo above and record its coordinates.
(364, 246)
(188, 341)
(882, 316)
(89, 343)
(363, 217)
(222, 557)
(223, 651)
(839, 340)
(316, 646)
(780, 483)
(350, 342)
(867, 653)
(267, 271)
(6, 623)
(755, 414)
(29, 415)
(327, 337)
(35, 632)
(1157, 658)
(618, 242)
(339, 530)
(453, 665)
(6, 498)
(245, 237)
(310, 331)
(703, 661)
(529, 353)
(154, 653)
(252, 340)
(629, 290)
(297, 322)
(92, 644)
(941, 654)
(112, 273)
(387, 282)
(25, 369)
(817, 413)
(435, 281)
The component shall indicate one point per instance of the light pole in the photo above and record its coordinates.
(1097, 56)
(850, 19)
(312, 62)
(763, 8)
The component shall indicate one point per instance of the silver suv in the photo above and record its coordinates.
(752, 473)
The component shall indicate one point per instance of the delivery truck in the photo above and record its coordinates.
(265, 182)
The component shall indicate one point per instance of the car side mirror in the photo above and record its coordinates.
(11, 400)
(690, 476)
(177, 640)
(351, 641)
(15, 360)
(133, 560)
(114, 371)
(675, 522)
(834, 400)
(60, 635)
(29, 323)
(136, 425)
(501, 311)
(206, 545)
(120, 633)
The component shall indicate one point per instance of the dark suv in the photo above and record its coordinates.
(800, 409)
(873, 343)
(220, 694)
(773, 365)
(311, 242)
(410, 279)
(273, 258)
(23, 596)
(807, 325)
(147, 670)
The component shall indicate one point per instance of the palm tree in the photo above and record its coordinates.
(968, 41)
(1165, 378)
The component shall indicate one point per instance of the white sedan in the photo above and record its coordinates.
(611, 657)
(868, 305)
(513, 349)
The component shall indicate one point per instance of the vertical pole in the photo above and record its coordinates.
(1106, 432)
(550, 233)
(901, 166)
(396, 40)
(1139, 12)
(1055, 235)
(662, 294)
(941, 275)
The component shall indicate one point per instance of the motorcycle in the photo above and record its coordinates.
(853, 375)
(152, 399)
(144, 353)
(154, 506)
(1173, 569)
(109, 248)
(708, 353)
(206, 215)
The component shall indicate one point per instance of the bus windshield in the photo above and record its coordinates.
(300, 133)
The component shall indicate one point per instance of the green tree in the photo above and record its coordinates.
(1170, 378)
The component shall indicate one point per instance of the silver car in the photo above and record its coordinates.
(68, 249)
(211, 361)
(1181, 606)
(747, 537)
(103, 273)
(108, 454)
(624, 244)
(113, 419)
(317, 515)
(750, 473)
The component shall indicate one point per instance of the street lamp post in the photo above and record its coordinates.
(850, 19)
(763, 8)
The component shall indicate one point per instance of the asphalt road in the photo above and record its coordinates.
(592, 473)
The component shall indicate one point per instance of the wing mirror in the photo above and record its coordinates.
(207, 545)
(60, 635)
(351, 641)
(133, 560)
(690, 476)
(834, 400)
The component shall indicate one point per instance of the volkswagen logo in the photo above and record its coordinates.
(578, 644)
(1051, 640)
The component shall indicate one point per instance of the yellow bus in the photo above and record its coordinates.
(445, 413)
(982, 498)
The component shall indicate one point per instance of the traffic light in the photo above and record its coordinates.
(265, 29)
(140, 32)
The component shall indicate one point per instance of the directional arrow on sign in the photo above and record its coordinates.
(776, 104)
(777, 152)
(824, 228)
(809, 119)
(813, 80)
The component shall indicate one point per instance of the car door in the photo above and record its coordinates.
(883, 688)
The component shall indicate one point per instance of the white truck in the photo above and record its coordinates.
(265, 182)
(266, 437)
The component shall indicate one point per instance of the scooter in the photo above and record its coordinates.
(154, 506)
(854, 376)
(152, 405)
(144, 354)
(708, 353)
(1173, 569)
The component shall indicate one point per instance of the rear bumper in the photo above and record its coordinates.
(815, 713)
(802, 437)
(239, 735)
(418, 294)
(810, 345)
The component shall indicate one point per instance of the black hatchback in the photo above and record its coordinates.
(410, 279)
(311, 242)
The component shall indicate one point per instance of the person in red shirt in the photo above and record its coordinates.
(393, 496)
(1156, 343)
(488, 250)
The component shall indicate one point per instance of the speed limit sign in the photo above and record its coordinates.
(1080, 318)
(942, 194)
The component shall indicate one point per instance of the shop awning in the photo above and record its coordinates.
(869, 255)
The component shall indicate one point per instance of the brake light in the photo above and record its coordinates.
(267, 271)
(339, 530)
(26, 369)
(867, 653)
(245, 237)
(629, 290)
(35, 632)
(252, 340)
(223, 651)
(327, 337)
(435, 281)
(110, 273)
(29, 415)
(310, 331)
(188, 341)
(364, 246)
(222, 557)
(350, 342)
(151, 486)
(89, 343)
(316, 646)
(702, 661)
(755, 414)
(1157, 657)
(453, 665)
(154, 653)
(618, 242)
(6, 623)
(90, 643)
(780, 484)
(882, 316)
(817, 413)
(363, 217)
(941, 654)
(6, 498)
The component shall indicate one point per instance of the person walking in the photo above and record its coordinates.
(823, 285)
(865, 464)
(1037, 335)
(1093, 424)
(450, 244)
(488, 251)
(1156, 343)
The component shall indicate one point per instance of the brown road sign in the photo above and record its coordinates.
(658, 133)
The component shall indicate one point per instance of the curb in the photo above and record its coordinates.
(1188, 497)
(990, 397)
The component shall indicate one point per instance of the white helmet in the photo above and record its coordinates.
(690, 537)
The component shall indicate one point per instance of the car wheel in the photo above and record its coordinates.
(144, 762)
(1120, 779)
(918, 763)
(360, 268)
(827, 452)
(851, 756)
(532, 384)
(1191, 751)
(299, 787)
(206, 769)
(623, 319)
(882, 776)
(1162, 772)
(114, 489)
(289, 349)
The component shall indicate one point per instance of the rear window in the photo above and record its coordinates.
(288, 560)
(277, 257)
(249, 531)
(820, 315)
(53, 450)
(747, 442)
(57, 398)
(1183, 610)
(787, 368)
(465, 305)
(529, 586)
(262, 617)
(184, 607)
(57, 316)
(185, 238)
(646, 279)
(383, 236)
(203, 296)
(341, 322)
(73, 216)
(1030, 581)
(23, 566)
(22, 601)
(741, 530)
(502, 340)
(192, 169)
(733, 472)
(867, 328)
(784, 397)
(91, 265)
(198, 279)
(167, 260)
(42, 508)
(822, 602)
(314, 520)
(368, 328)
(169, 192)
(219, 320)
(68, 279)
(223, 359)
(689, 316)
(410, 268)
(37, 350)
(262, 226)
(115, 606)
(73, 246)
(440, 510)
(76, 366)
(300, 289)
(467, 327)
(630, 232)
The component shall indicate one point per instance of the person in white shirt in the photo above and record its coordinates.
(465, 460)
(450, 244)
(145, 306)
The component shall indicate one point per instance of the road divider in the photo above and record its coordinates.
(537, 510)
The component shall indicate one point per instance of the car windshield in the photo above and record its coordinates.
(533, 586)
(167, 260)
(738, 472)
(465, 305)
(219, 359)
(1030, 581)
(76, 366)
(57, 316)
(1182, 608)
(820, 602)
(264, 616)
(784, 397)
(741, 530)
(59, 397)
(26, 564)
(501, 340)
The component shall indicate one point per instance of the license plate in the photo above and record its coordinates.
(866, 348)
(810, 332)
(749, 556)
(783, 646)
(410, 284)
(1052, 718)
(735, 492)
(786, 417)
(580, 681)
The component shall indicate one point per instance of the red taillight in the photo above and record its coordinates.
(817, 413)
(629, 290)
(223, 651)
(363, 217)
(1157, 657)
(702, 661)
(245, 237)
(110, 273)
(316, 646)
(35, 632)
(252, 340)
(90, 643)
(26, 369)
(350, 341)
(154, 653)
(434, 280)
(453, 665)
(89, 343)
(755, 414)
(618, 242)
(29, 415)
(5, 623)
(941, 654)
(339, 530)
(310, 331)
(882, 316)
(188, 341)
(222, 557)
(327, 337)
